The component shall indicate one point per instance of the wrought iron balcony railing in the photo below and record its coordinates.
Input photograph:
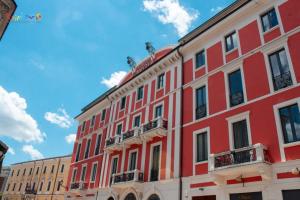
(283, 80)
(154, 175)
(113, 140)
(29, 190)
(157, 123)
(130, 134)
(247, 155)
(74, 186)
(130, 176)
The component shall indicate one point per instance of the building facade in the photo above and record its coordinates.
(43, 179)
(5, 171)
(214, 117)
(7, 9)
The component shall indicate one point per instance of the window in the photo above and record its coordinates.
(132, 163)
(202, 148)
(236, 95)
(290, 123)
(62, 168)
(41, 186)
(87, 149)
(140, 92)
(83, 126)
(12, 173)
(52, 169)
(281, 74)
(83, 173)
(14, 187)
(269, 20)
(200, 59)
(45, 169)
(94, 172)
(291, 194)
(123, 103)
(24, 172)
(30, 171)
(58, 185)
(137, 121)
(78, 152)
(231, 41)
(18, 172)
(201, 102)
(93, 121)
(103, 115)
(37, 171)
(240, 134)
(160, 81)
(20, 187)
(98, 143)
(114, 165)
(7, 188)
(74, 175)
(154, 173)
(158, 111)
(119, 129)
(49, 185)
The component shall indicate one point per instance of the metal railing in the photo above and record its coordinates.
(130, 134)
(135, 176)
(29, 190)
(113, 140)
(154, 175)
(157, 123)
(74, 186)
(283, 80)
(246, 155)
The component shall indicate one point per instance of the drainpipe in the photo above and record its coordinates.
(180, 123)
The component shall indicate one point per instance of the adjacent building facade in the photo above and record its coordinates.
(43, 179)
(5, 171)
(7, 9)
(214, 117)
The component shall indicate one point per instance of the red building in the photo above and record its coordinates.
(215, 117)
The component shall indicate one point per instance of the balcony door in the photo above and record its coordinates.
(240, 134)
(291, 194)
(132, 163)
(246, 196)
(154, 173)
(114, 165)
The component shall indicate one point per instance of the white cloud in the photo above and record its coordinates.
(61, 118)
(15, 122)
(70, 138)
(114, 79)
(216, 9)
(34, 153)
(11, 151)
(171, 12)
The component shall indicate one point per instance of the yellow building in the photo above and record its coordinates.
(39, 179)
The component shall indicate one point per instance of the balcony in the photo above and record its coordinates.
(240, 162)
(113, 144)
(74, 186)
(155, 128)
(127, 179)
(79, 186)
(132, 137)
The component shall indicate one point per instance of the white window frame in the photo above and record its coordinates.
(133, 119)
(83, 166)
(77, 151)
(97, 135)
(151, 157)
(89, 150)
(111, 165)
(102, 120)
(272, 49)
(225, 52)
(261, 22)
(137, 93)
(92, 125)
(195, 59)
(237, 118)
(129, 158)
(94, 163)
(199, 84)
(83, 127)
(228, 71)
(164, 81)
(117, 128)
(122, 109)
(154, 109)
(282, 145)
(195, 133)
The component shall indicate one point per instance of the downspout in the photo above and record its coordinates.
(180, 123)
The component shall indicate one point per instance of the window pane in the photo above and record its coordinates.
(228, 43)
(202, 149)
(236, 88)
(132, 165)
(240, 134)
(201, 102)
(158, 111)
(283, 61)
(234, 39)
(290, 122)
(265, 21)
(119, 129)
(137, 121)
(200, 59)
(273, 18)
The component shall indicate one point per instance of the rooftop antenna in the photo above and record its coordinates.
(150, 49)
(131, 62)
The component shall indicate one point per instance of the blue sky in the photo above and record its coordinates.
(52, 68)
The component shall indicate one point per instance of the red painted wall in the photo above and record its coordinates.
(249, 37)
(215, 56)
(289, 12)
(294, 44)
(188, 71)
(216, 93)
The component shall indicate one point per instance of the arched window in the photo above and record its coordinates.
(130, 196)
(110, 198)
(154, 197)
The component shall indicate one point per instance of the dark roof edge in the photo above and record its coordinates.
(69, 155)
(108, 92)
(213, 21)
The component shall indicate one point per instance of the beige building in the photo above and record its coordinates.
(39, 179)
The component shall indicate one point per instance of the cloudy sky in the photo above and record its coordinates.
(51, 68)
